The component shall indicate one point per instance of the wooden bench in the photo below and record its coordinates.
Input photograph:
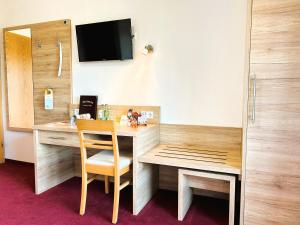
(220, 168)
(213, 155)
(195, 157)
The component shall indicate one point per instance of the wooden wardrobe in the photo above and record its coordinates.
(271, 179)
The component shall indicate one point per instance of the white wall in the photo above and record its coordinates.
(195, 73)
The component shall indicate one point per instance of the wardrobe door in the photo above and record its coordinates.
(272, 176)
(272, 181)
(51, 53)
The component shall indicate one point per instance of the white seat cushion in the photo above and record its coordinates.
(106, 158)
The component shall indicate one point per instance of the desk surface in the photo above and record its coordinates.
(67, 127)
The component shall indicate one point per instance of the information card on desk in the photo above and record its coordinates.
(88, 104)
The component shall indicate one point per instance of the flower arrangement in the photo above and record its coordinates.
(133, 118)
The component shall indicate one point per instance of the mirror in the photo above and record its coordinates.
(19, 85)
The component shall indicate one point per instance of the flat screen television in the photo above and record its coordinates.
(110, 40)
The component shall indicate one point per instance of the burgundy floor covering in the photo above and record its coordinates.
(60, 205)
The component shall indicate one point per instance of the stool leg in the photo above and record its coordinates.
(231, 201)
(185, 196)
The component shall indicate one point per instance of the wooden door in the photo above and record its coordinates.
(272, 181)
(19, 85)
(46, 39)
(272, 176)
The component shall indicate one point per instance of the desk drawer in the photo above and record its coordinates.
(59, 138)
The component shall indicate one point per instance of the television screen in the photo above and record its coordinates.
(110, 40)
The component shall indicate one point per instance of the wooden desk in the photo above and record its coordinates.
(57, 144)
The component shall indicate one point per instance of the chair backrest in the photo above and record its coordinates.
(97, 126)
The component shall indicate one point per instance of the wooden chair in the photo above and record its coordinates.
(108, 162)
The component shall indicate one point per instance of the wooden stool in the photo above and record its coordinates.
(188, 179)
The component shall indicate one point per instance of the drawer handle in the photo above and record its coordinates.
(58, 138)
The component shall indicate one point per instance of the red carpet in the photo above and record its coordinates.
(60, 205)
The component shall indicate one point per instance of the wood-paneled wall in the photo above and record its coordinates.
(204, 136)
(19, 81)
(272, 162)
(222, 138)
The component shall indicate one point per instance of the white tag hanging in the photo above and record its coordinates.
(48, 99)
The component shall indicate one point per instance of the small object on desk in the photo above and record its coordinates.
(142, 120)
(123, 120)
(76, 112)
(129, 113)
(100, 114)
(86, 116)
(133, 118)
(133, 123)
(88, 104)
(73, 120)
(105, 113)
(142, 124)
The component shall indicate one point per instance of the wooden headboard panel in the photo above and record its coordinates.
(206, 136)
(116, 111)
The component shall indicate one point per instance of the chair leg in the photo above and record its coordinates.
(106, 180)
(83, 193)
(116, 200)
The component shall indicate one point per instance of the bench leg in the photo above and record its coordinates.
(231, 201)
(185, 196)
